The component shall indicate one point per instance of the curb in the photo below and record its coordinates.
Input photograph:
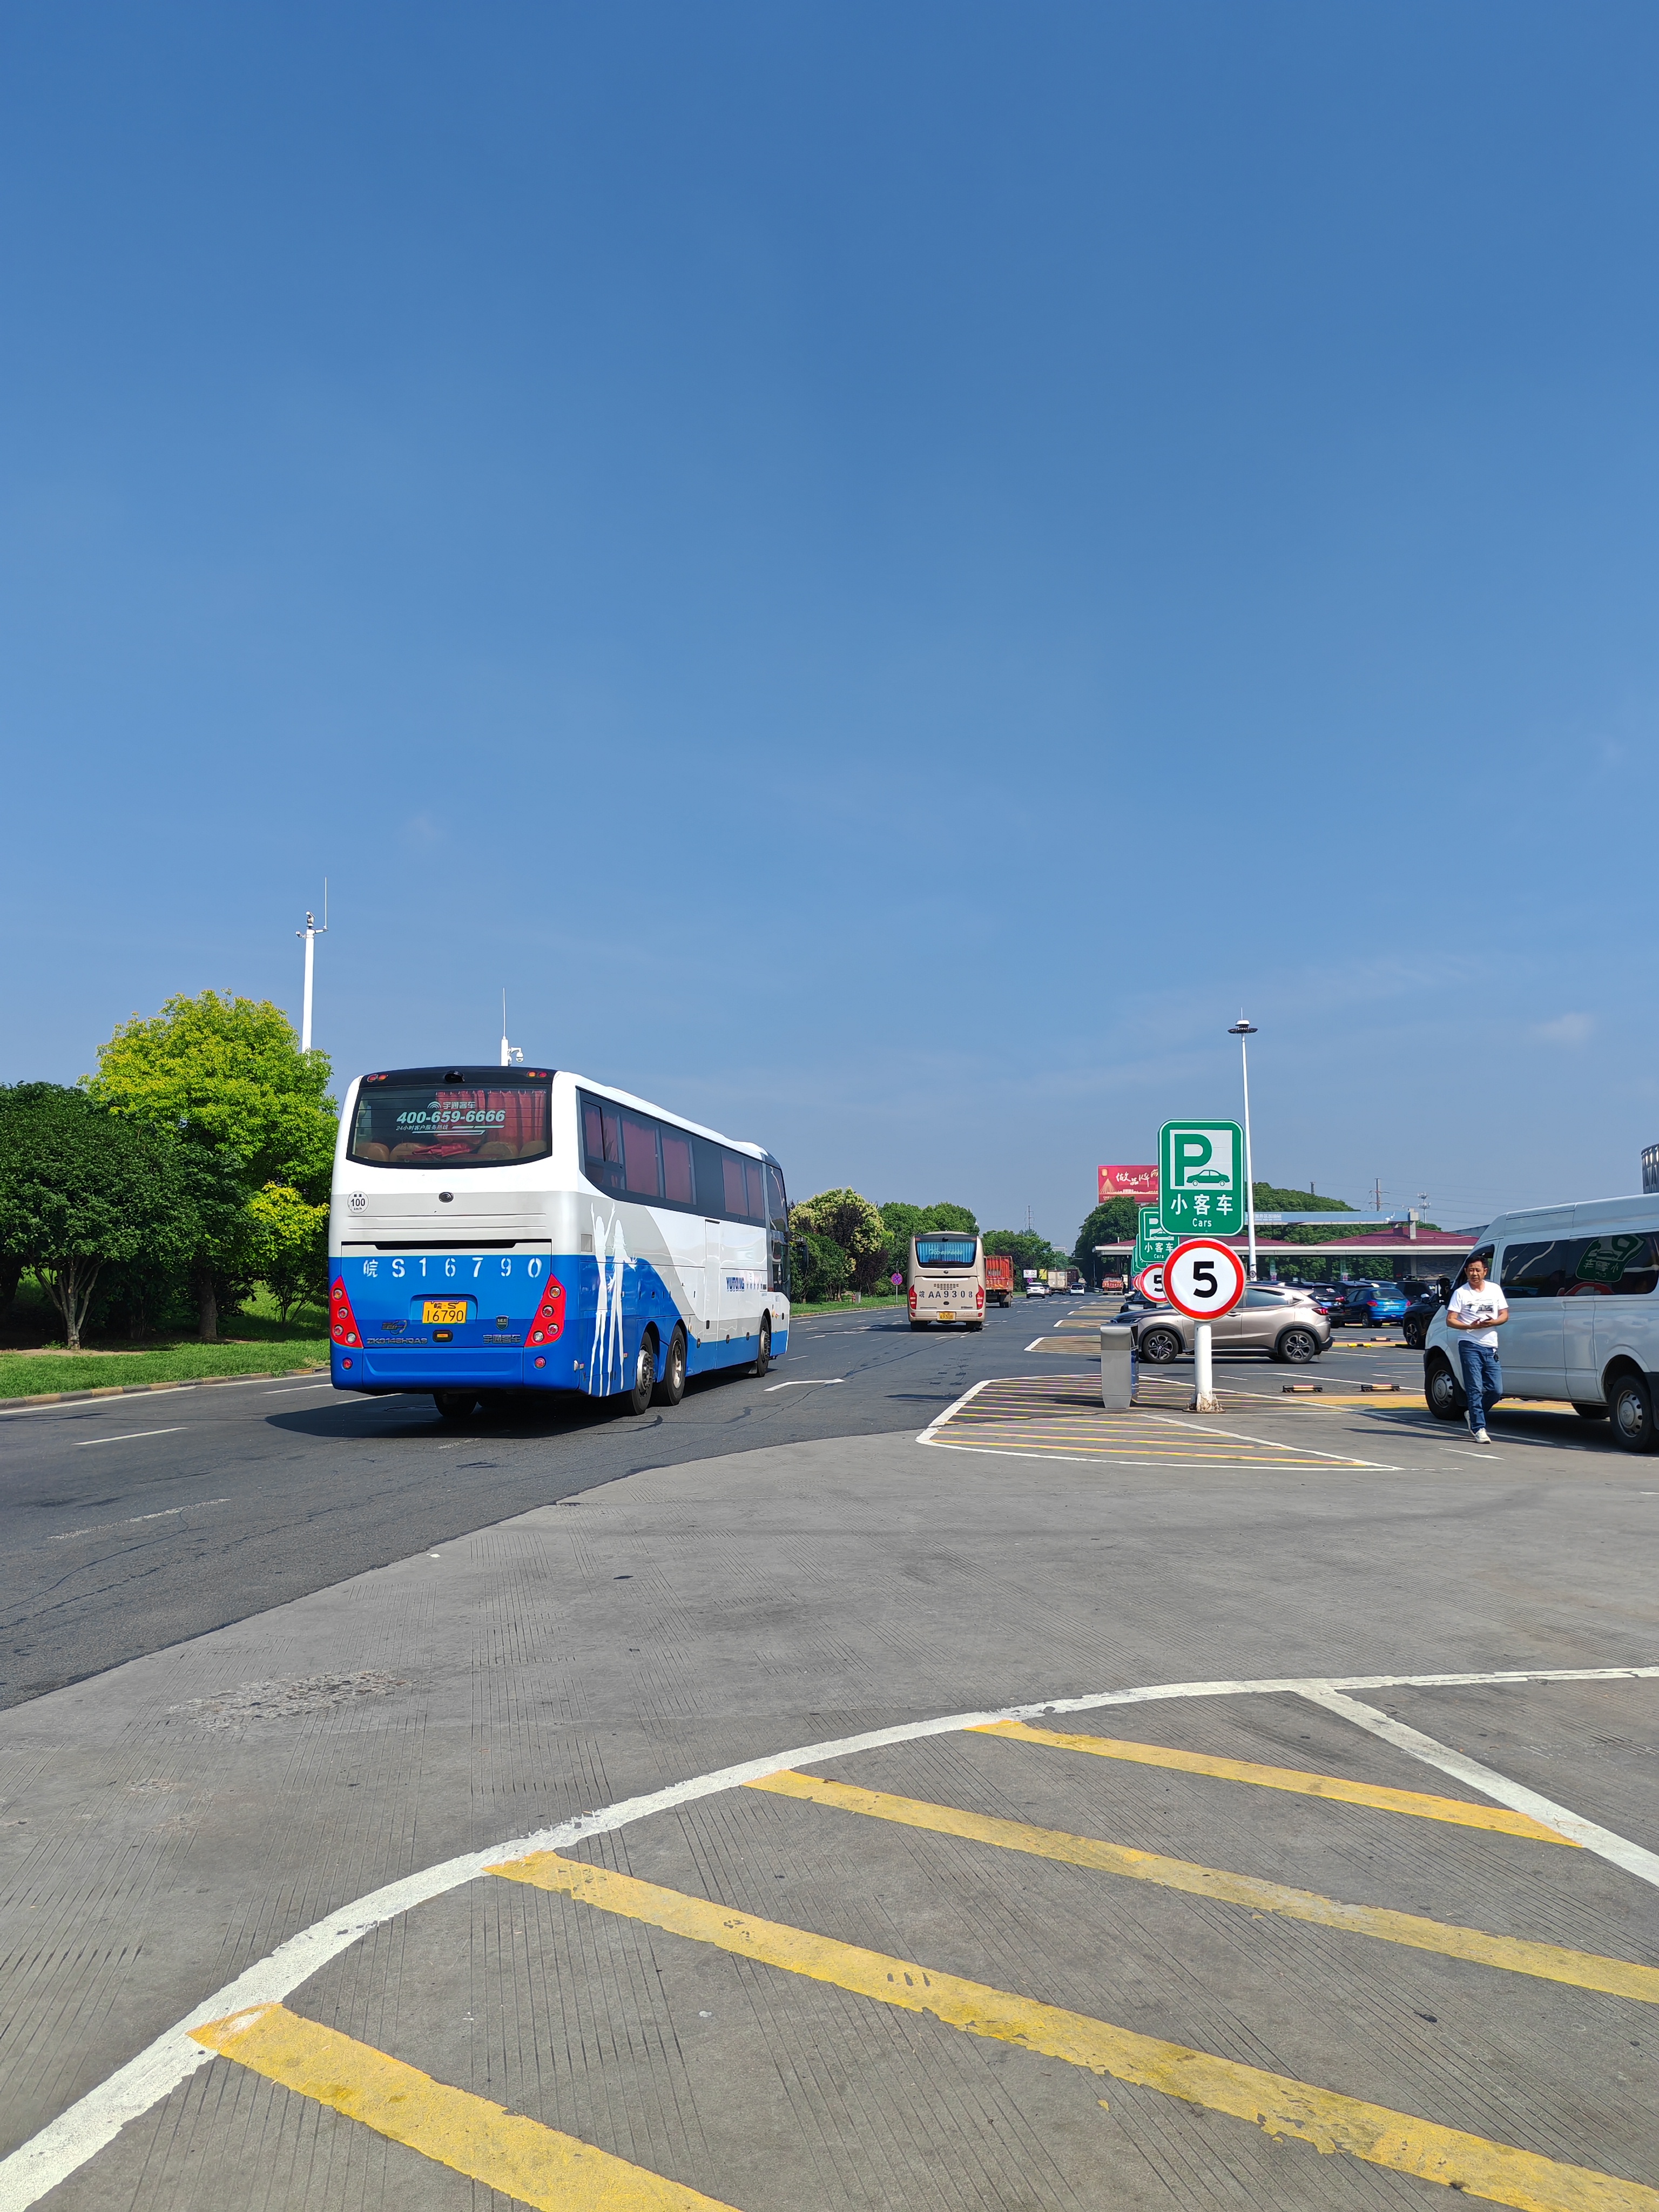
(141, 1389)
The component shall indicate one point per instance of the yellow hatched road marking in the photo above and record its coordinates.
(1276, 2102)
(519, 2157)
(1458, 1812)
(1550, 1962)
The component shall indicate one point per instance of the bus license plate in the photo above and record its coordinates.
(445, 1310)
(945, 1314)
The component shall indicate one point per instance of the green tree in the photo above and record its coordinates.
(227, 1075)
(852, 1222)
(1111, 1224)
(81, 1190)
(290, 1245)
(818, 1268)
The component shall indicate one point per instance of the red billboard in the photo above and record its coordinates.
(1129, 1182)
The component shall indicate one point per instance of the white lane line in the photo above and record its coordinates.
(1632, 1857)
(65, 2144)
(1303, 1451)
(808, 1383)
(87, 1405)
(164, 1514)
(129, 1435)
(288, 1388)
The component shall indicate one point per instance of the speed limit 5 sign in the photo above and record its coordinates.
(1150, 1282)
(1204, 1278)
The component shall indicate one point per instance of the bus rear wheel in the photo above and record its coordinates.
(671, 1387)
(645, 1374)
(763, 1357)
(454, 1405)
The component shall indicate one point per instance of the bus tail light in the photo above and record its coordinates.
(979, 1298)
(550, 1314)
(342, 1321)
(913, 1297)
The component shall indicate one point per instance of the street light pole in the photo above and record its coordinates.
(311, 932)
(1241, 1029)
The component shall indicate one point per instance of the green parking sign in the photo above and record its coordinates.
(1200, 1178)
(1153, 1241)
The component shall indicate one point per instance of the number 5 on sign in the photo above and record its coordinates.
(1203, 1279)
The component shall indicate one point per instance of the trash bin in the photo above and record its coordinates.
(1117, 1367)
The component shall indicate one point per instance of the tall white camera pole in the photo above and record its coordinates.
(1241, 1029)
(510, 1052)
(311, 932)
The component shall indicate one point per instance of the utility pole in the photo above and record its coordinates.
(510, 1052)
(1377, 1197)
(1241, 1029)
(311, 932)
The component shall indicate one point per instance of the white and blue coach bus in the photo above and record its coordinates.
(499, 1229)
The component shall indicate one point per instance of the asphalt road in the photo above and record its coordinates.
(129, 1524)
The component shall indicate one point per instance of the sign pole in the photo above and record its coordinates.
(1241, 1029)
(1204, 1278)
(1204, 1397)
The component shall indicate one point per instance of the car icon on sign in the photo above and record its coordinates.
(1209, 1174)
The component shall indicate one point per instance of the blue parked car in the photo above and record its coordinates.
(1379, 1303)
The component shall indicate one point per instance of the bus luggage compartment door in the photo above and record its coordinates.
(714, 1266)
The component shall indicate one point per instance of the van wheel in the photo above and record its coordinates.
(1442, 1389)
(671, 1387)
(1630, 1405)
(1161, 1345)
(1590, 1412)
(1298, 1346)
(645, 1374)
(763, 1357)
(454, 1405)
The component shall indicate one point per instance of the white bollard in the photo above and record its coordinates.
(1204, 1398)
(1117, 1367)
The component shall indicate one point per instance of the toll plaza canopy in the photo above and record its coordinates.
(1441, 1251)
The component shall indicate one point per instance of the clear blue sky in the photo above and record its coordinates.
(750, 526)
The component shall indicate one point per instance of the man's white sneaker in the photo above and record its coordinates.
(1481, 1437)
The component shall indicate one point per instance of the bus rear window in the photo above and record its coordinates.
(449, 1126)
(944, 1251)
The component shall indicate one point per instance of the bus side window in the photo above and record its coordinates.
(755, 1182)
(711, 1192)
(640, 1158)
(737, 1198)
(676, 1169)
(777, 1234)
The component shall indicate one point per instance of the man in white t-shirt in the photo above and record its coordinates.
(1477, 1311)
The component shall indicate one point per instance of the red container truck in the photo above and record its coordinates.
(999, 1279)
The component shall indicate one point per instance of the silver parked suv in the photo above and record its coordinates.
(1285, 1324)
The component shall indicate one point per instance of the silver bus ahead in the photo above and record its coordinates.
(947, 1280)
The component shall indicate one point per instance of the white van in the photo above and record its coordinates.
(1583, 1325)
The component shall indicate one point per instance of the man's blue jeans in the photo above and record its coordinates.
(1483, 1381)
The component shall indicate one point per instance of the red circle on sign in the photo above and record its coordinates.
(1227, 1269)
(1146, 1286)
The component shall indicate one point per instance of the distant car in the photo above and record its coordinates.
(1378, 1304)
(1414, 1327)
(1036, 1290)
(1326, 1295)
(1271, 1318)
